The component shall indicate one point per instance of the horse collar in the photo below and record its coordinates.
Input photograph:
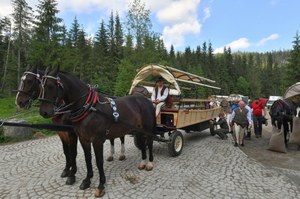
(89, 104)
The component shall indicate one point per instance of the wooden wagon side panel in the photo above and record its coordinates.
(194, 116)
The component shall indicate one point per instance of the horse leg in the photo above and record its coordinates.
(285, 130)
(64, 139)
(98, 149)
(112, 150)
(86, 146)
(141, 142)
(72, 154)
(122, 155)
(149, 166)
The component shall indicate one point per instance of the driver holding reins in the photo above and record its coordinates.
(159, 95)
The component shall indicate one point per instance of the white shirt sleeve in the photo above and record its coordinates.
(153, 95)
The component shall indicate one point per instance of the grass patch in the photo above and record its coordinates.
(8, 110)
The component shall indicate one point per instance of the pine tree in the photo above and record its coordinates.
(23, 19)
(138, 22)
(48, 33)
(293, 66)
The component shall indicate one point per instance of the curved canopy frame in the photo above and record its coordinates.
(172, 75)
(292, 91)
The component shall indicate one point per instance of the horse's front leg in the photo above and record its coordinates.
(64, 140)
(86, 146)
(98, 149)
(122, 154)
(72, 154)
(149, 165)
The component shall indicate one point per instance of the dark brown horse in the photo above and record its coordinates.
(96, 118)
(282, 113)
(28, 91)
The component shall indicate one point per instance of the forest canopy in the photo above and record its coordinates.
(110, 59)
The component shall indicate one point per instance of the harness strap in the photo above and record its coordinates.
(114, 108)
(90, 102)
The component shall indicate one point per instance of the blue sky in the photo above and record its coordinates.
(244, 25)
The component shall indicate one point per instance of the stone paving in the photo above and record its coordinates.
(207, 168)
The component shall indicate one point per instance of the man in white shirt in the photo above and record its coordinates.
(159, 95)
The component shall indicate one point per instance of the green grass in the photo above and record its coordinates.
(8, 110)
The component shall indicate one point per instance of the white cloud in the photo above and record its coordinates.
(86, 6)
(179, 18)
(263, 41)
(5, 9)
(238, 44)
(175, 34)
(206, 13)
(178, 12)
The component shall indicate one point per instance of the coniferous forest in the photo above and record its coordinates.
(38, 37)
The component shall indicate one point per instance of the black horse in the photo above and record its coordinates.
(96, 118)
(282, 113)
(28, 91)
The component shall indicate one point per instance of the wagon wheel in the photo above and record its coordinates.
(212, 129)
(176, 145)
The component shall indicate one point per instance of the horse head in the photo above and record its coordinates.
(28, 90)
(51, 93)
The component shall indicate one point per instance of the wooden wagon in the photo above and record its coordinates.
(188, 114)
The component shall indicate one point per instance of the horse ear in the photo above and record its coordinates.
(34, 69)
(48, 69)
(57, 68)
(28, 67)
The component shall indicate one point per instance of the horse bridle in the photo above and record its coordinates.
(42, 91)
(30, 92)
(59, 105)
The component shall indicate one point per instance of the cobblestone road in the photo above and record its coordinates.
(207, 168)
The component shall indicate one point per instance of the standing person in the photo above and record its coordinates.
(233, 105)
(258, 116)
(240, 118)
(159, 95)
(248, 130)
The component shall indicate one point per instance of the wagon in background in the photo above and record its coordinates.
(188, 114)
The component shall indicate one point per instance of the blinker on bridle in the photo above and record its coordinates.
(23, 78)
(42, 92)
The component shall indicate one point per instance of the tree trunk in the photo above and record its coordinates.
(5, 66)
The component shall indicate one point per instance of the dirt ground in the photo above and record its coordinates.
(257, 148)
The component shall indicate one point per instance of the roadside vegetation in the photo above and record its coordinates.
(10, 111)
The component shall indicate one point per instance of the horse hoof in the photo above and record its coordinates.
(122, 157)
(149, 166)
(65, 173)
(99, 193)
(85, 184)
(70, 180)
(110, 158)
(142, 165)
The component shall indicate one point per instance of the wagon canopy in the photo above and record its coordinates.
(172, 75)
(292, 90)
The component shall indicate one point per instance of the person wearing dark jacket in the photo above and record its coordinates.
(224, 128)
